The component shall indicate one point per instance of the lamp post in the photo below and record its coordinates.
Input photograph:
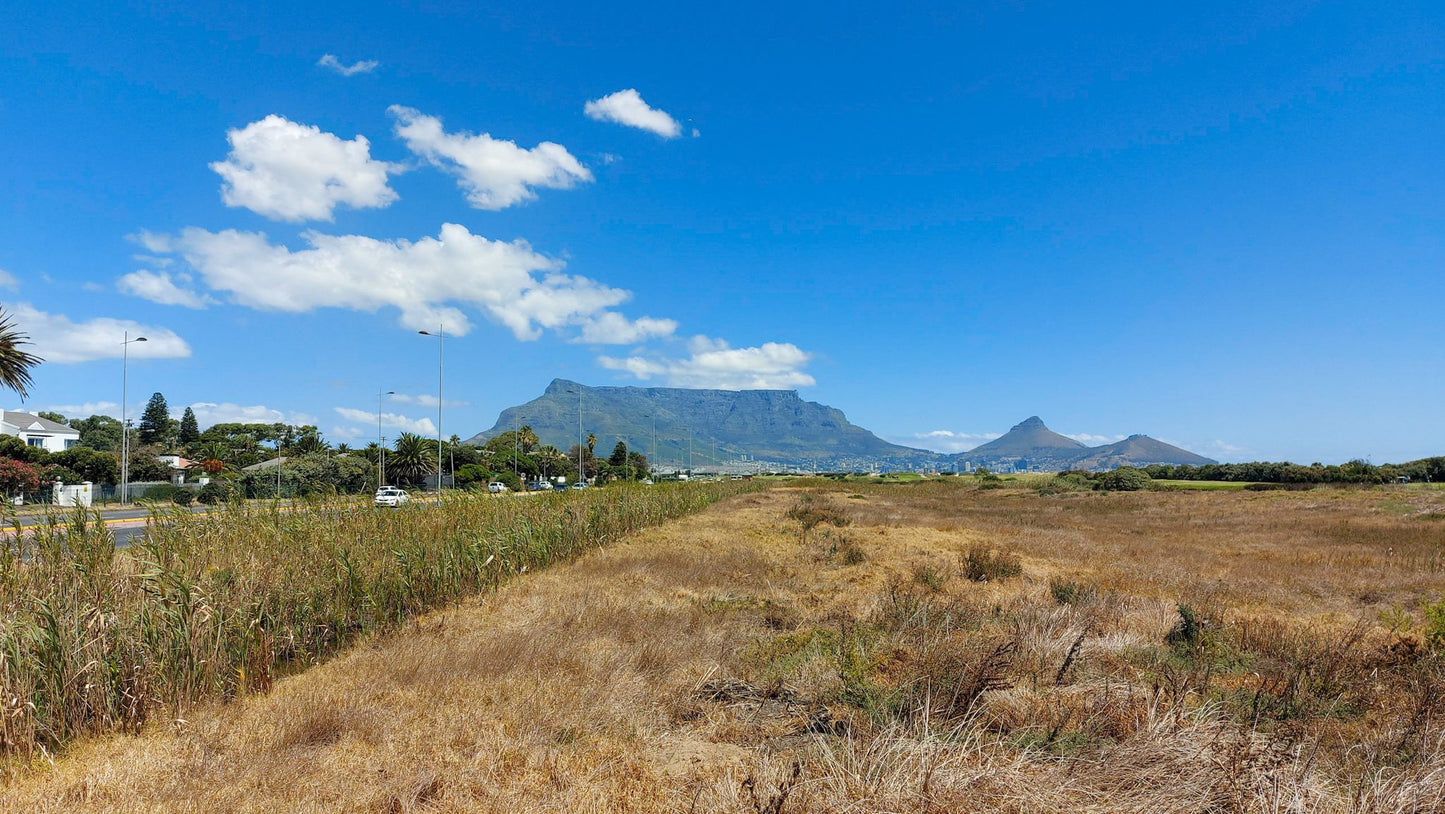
(380, 441)
(124, 427)
(441, 343)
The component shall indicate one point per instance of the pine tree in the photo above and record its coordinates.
(190, 428)
(155, 422)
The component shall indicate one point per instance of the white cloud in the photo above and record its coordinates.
(360, 66)
(947, 441)
(152, 242)
(159, 286)
(511, 283)
(59, 340)
(85, 410)
(627, 108)
(294, 172)
(612, 328)
(8, 281)
(209, 413)
(350, 434)
(1093, 440)
(494, 173)
(713, 364)
(1218, 450)
(426, 400)
(420, 426)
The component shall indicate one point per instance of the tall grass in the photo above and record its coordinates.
(93, 640)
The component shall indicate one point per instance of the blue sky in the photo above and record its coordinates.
(1221, 226)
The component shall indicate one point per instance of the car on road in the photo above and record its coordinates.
(539, 486)
(391, 497)
(496, 487)
(581, 484)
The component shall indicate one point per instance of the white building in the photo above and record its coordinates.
(39, 432)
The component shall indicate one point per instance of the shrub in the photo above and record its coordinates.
(929, 577)
(217, 491)
(982, 565)
(1124, 479)
(158, 492)
(1435, 625)
(183, 497)
(811, 511)
(1069, 592)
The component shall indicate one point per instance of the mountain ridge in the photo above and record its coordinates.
(683, 428)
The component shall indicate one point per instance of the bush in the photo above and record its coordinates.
(1069, 592)
(982, 565)
(1124, 479)
(217, 491)
(159, 492)
(183, 497)
(811, 511)
(1435, 625)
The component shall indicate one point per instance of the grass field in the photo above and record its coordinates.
(870, 648)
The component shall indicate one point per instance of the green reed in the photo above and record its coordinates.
(95, 640)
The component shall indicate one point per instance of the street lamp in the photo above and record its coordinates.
(380, 441)
(441, 342)
(124, 428)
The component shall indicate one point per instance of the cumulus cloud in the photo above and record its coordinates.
(360, 66)
(1093, 440)
(60, 340)
(1216, 449)
(350, 433)
(426, 400)
(947, 441)
(159, 286)
(294, 172)
(626, 107)
(210, 412)
(494, 173)
(418, 426)
(85, 410)
(611, 328)
(8, 281)
(713, 364)
(509, 282)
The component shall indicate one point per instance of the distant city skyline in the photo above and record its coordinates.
(1220, 227)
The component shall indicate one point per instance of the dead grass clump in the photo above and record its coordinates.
(981, 564)
(812, 510)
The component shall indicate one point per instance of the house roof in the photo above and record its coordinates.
(266, 464)
(27, 421)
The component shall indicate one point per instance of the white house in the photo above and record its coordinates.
(39, 432)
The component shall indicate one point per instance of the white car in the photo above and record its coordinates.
(496, 487)
(391, 497)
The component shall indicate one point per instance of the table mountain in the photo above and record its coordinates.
(772, 426)
(736, 430)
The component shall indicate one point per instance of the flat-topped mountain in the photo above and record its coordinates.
(736, 430)
(724, 426)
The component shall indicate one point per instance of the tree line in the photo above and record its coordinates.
(1431, 470)
(306, 462)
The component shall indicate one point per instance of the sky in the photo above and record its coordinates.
(1219, 226)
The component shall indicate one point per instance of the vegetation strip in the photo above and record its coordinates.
(208, 606)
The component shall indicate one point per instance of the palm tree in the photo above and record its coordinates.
(15, 363)
(527, 438)
(413, 458)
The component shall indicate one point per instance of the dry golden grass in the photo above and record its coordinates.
(720, 663)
